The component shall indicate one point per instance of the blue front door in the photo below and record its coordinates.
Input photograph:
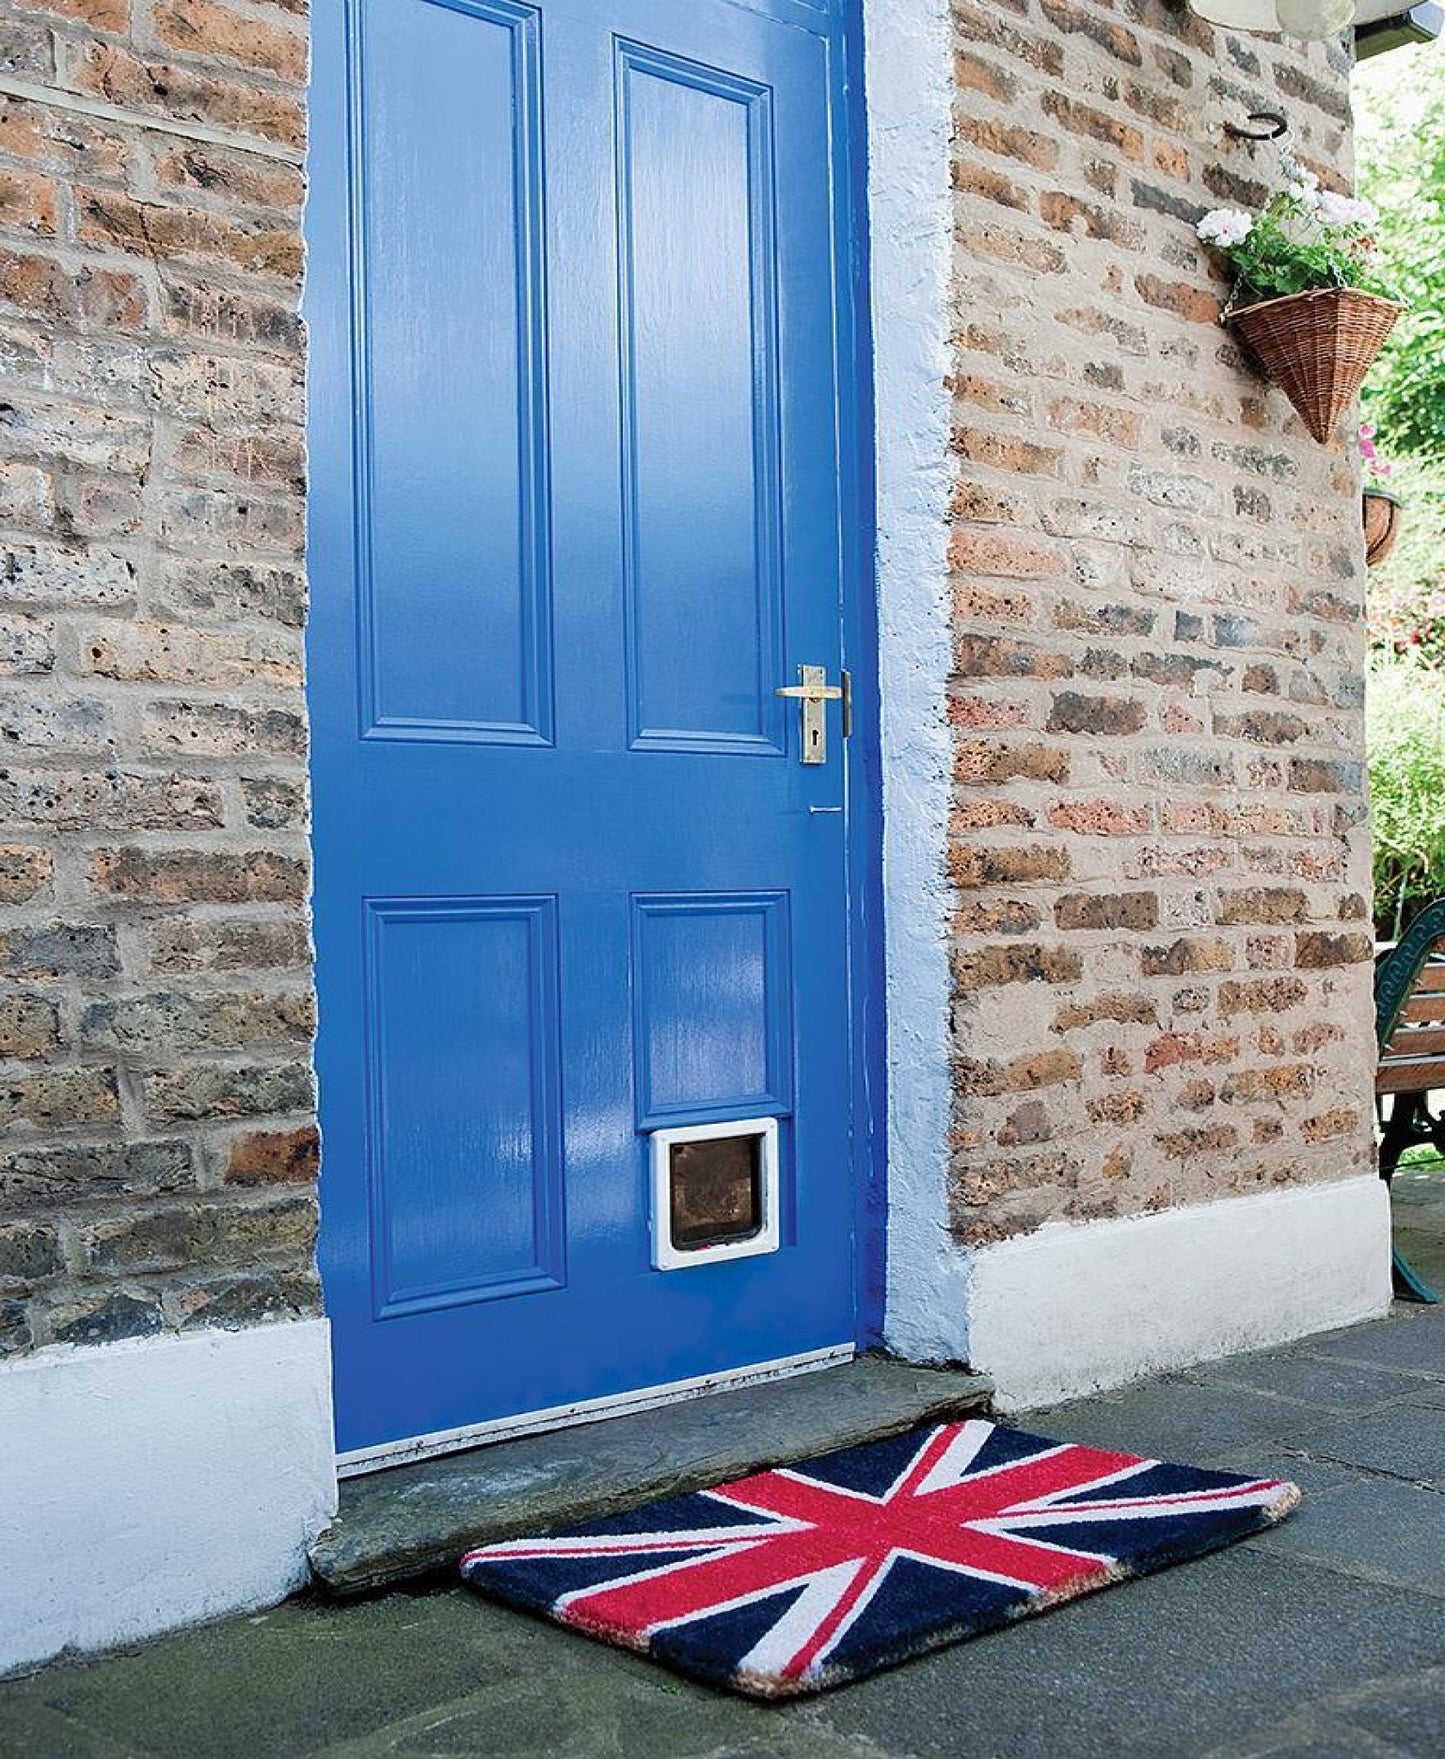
(580, 350)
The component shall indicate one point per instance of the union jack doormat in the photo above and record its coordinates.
(812, 1575)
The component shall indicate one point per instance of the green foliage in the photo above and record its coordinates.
(1405, 741)
(1400, 107)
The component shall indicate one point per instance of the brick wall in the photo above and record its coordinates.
(1161, 941)
(157, 1149)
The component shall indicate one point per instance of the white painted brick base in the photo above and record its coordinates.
(159, 1482)
(1072, 1309)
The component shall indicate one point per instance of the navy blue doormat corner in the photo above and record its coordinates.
(813, 1575)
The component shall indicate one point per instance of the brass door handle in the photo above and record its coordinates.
(811, 694)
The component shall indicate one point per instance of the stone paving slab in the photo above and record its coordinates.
(1402, 1441)
(1194, 1422)
(1413, 1343)
(1377, 1530)
(397, 1525)
(1322, 1383)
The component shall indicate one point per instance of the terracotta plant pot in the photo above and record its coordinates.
(1317, 347)
(1382, 516)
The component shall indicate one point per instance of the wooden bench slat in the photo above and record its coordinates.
(1415, 1042)
(1424, 1007)
(1432, 977)
(1416, 1077)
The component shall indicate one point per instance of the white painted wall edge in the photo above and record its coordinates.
(160, 1481)
(1072, 1309)
(907, 81)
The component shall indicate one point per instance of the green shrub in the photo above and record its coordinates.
(1405, 738)
(1400, 105)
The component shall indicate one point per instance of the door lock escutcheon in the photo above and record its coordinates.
(813, 693)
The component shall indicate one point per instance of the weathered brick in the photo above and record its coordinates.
(1030, 1123)
(201, 309)
(58, 1098)
(991, 761)
(1071, 19)
(216, 1090)
(61, 800)
(194, 876)
(68, 1172)
(220, 729)
(151, 1240)
(1007, 452)
(1076, 415)
(1179, 298)
(996, 916)
(1326, 1126)
(1189, 953)
(65, 726)
(1263, 904)
(165, 653)
(1073, 712)
(1006, 140)
(202, 27)
(104, 1317)
(46, 574)
(1112, 910)
(106, 219)
(241, 589)
(1317, 950)
(1112, 1005)
(983, 864)
(1079, 118)
(30, 1253)
(1101, 818)
(1019, 1075)
(274, 1157)
(972, 73)
(29, 1025)
(274, 803)
(1271, 995)
(249, 1298)
(1203, 1139)
(1321, 775)
(1119, 1109)
(240, 944)
(98, 438)
(1035, 963)
(27, 646)
(59, 949)
(998, 553)
(162, 1024)
(25, 873)
(1250, 1086)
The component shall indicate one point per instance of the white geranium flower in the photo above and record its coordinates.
(1306, 194)
(1344, 210)
(1225, 227)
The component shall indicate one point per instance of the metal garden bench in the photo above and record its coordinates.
(1410, 1032)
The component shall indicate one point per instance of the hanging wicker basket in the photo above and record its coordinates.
(1317, 347)
(1382, 517)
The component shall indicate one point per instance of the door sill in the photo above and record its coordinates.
(447, 1441)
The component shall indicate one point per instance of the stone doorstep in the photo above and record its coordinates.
(397, 1525)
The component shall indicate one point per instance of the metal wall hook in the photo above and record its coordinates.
(1274, 126)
